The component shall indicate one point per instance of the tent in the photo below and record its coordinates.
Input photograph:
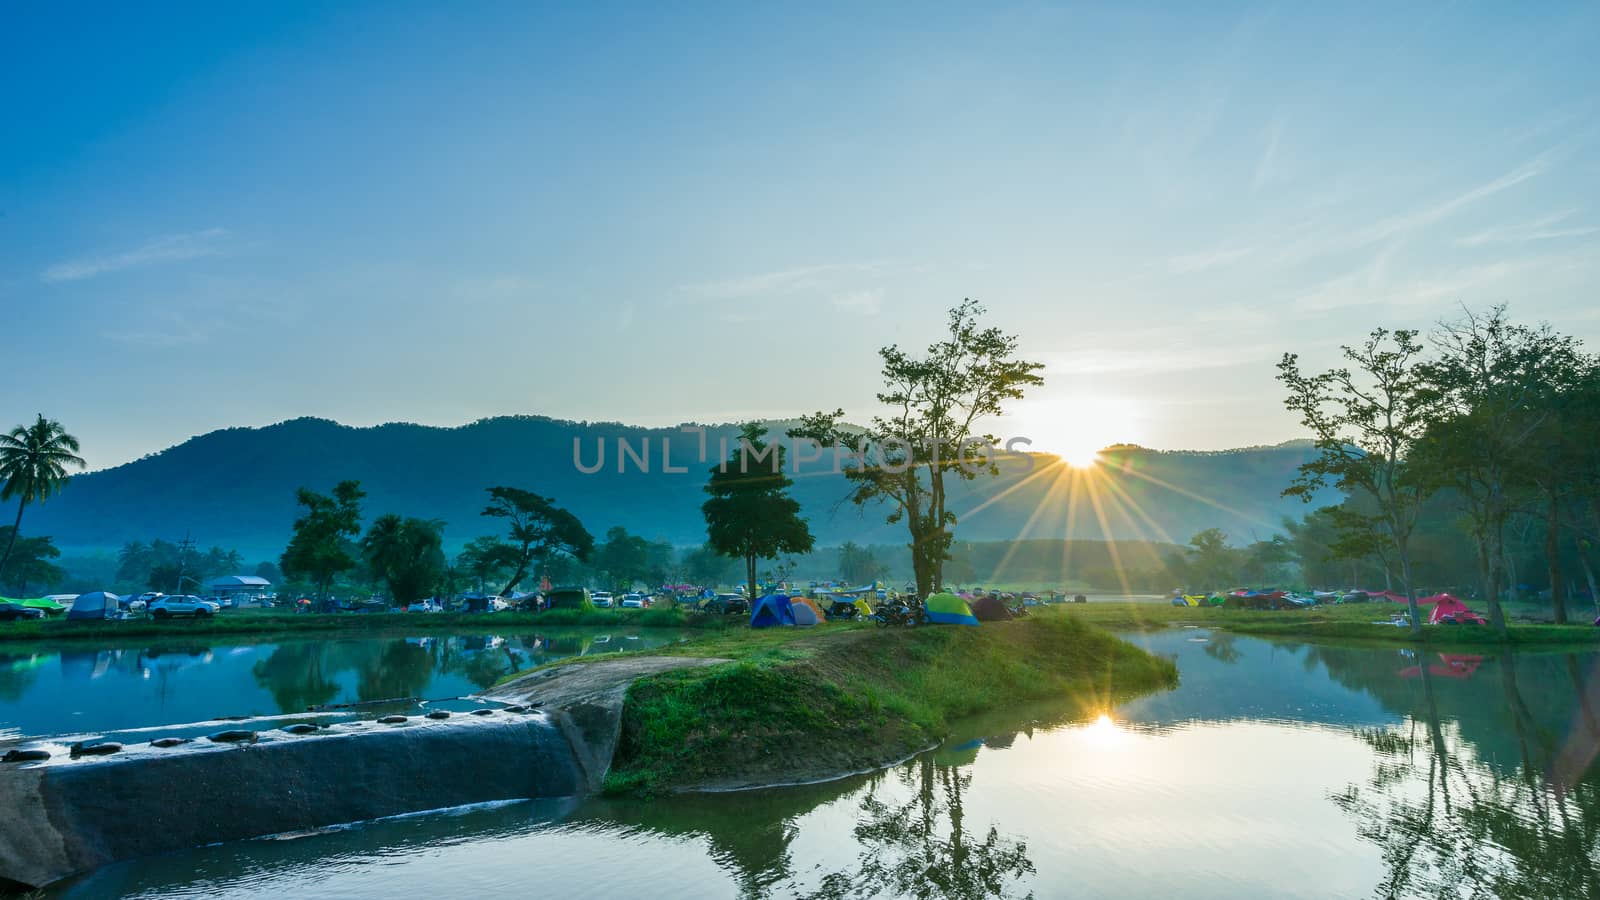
(50, 606)
(772, 610)
(96, 605)
(989, 609)
(805, 611)
(1450, 610)
(568, 598)
(948, 609)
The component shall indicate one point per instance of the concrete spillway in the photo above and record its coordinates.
(63, 815)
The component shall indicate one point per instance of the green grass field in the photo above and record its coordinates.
(796, 703)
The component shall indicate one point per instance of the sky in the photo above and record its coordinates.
(659, 213)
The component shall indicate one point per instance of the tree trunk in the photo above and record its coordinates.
(1588, 575)
(1411, 594)
(750, 575)
(16, 529)
(1552, 552)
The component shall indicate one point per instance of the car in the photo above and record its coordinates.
(634, 601)
(175, 606)
(727, 604)
(12, 612)
(425, 606)
(601, 599)
(221, 602)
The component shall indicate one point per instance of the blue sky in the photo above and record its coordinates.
(423, 213)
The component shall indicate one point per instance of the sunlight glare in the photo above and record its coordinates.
(1076, 427)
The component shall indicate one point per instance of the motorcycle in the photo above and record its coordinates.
(908, 613)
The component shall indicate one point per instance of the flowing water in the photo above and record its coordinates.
(1276, 769)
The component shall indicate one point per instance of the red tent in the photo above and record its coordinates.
(1450, 665)
(1448, 607)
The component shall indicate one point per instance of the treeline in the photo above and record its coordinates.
(1494, 423)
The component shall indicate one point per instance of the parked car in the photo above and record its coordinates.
(13, 612)
(601, 599)
(727, 604)
(170, 606)
(221, 602)
(425, 606)
(635, 601)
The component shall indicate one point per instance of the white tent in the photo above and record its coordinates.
(95, 605)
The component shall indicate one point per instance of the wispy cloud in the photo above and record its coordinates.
(784, 281)
(1524, 232)
(1199, 262)
(179, 330)
(867, 303)
(1405, 224)
(168, 248)
(1267, 165)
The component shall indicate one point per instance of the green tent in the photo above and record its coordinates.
(948, 609)
(568, 598)
(44, 603)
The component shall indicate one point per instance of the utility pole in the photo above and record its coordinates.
(184, 546)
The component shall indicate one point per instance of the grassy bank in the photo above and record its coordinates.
(1341, 622)
(276, 623)
(801, 704)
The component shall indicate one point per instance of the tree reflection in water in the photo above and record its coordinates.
(1450, 823)
(921, 848)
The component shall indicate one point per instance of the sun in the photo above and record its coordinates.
(1075, 427)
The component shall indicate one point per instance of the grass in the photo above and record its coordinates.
(1341, 622)
(271, 623)
(796, 704)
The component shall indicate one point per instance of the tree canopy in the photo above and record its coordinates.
(323, 542)
(750, 515)
(34, 460)
(539, 530)
(936, 405)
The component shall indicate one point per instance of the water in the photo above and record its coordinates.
(80, 689)
(1275, 770)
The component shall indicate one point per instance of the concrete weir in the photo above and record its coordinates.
(73, 812)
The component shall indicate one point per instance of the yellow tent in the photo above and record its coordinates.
(863, 607)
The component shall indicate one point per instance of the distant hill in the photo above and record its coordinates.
(235, 487)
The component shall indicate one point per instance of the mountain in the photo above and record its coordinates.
(235, 487)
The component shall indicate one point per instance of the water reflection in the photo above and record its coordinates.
(1275, 769)
(921, 847)
(79, 688)
(1450, 822)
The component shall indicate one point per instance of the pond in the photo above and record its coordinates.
(81, 689)
(1276, 769)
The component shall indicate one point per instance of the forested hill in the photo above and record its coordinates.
(235, 487)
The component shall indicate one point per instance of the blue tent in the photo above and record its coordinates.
(773, 609)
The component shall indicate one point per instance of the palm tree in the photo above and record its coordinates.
(33, 467)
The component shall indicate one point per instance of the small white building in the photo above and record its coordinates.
(240, 587)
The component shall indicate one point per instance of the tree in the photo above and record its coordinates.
(1366, 421)
(626, 559)
(408, 554)
(857, 565)
(322, 545)
(540, 530)
(704, 565)
(936, 404)
(30, 562)
(487, 558)
(1212, 564)
(1490, 377)
(269, 572)
(33, 468)
(750, 515)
